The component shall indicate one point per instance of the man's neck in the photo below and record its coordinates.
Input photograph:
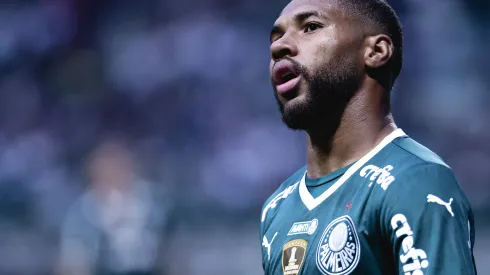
(358, 133)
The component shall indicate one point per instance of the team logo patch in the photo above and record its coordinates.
(293, 256)
(308, 227)
(339, 250)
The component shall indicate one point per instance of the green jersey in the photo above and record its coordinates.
(398, 210)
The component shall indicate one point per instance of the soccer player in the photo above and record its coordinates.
(370, 199)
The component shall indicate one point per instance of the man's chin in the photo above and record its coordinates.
(295, 113)
(295, 119)
(294, 125)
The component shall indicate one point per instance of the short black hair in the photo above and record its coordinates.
(382, 19)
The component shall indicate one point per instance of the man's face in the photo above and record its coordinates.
(316, 63)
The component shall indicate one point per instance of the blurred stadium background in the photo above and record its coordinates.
(169, 103)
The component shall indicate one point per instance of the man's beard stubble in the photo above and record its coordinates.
(330, 89)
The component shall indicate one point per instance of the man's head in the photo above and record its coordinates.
(324, 51)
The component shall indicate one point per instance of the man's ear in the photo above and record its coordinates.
(379, 50)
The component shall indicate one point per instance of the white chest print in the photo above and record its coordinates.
(432, 198)
(380, 176)
(267, 244)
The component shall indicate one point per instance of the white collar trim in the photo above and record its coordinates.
(310, 202)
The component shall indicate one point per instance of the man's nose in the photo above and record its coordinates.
(285, 46)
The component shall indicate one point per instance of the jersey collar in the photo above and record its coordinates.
(310, 202)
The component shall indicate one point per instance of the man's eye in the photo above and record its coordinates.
(310, 27)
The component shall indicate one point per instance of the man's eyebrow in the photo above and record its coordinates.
(298, 18)
(302, 16)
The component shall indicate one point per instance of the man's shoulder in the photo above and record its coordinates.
(289, 183)
(414, 153)
(417, 161)
(283, 191)
(420, 170)
(398, 163)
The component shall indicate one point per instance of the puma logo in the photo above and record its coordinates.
(432, 198)
(267, 244)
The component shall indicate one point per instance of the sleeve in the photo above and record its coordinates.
(264, 220)
(266, 216)
(429, 223)
(261, 234)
